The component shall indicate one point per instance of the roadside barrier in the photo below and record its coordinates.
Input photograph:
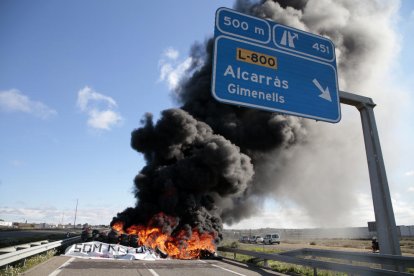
(19, 252)
(391, 264)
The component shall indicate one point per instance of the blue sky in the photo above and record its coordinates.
(77, 76)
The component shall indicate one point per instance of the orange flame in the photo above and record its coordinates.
(118, 226)
(179, 246)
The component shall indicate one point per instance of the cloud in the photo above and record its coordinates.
(171, 53)
(52, 215)
(103, 119)
(411, 189)
(15, 101)
(403, 210)
(101, 109)
(409, 173)
(172, 70)
(88, 98)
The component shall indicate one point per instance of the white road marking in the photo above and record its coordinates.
(60, 268)
(228, 270)
(153, 272)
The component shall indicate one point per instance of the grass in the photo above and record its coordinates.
(279, 266)
(407, 246)
(300, 270)
(342, 243)
(251, 247)
(28, 263)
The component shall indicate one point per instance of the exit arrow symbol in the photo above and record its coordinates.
(325, 92)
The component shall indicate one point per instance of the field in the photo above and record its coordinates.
(407, 245)
(407, 248)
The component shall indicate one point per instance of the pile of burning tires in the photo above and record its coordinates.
(113, 237)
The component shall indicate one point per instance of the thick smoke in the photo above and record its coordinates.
(189, 168)
(257, 133)
(209, 163)
(327, 176)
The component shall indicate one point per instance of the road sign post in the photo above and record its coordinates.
(384, 214)
(260, 64)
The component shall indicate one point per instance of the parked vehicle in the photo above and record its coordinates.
(271, 238)
(244, 239)
(252, 239)
(259, 239)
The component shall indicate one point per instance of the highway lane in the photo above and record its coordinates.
(67, 266)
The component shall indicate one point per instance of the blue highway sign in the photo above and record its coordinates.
(261, 64)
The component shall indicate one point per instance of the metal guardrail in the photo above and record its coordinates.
(17, 255)
(21, 246)
(382, 259)
(293, 257)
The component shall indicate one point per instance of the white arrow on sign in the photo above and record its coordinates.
(325, 92)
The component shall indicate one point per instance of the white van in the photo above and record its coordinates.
(271, 238)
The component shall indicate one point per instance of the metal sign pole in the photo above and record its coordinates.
(384, 214)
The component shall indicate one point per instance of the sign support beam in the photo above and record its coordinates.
(384, 215)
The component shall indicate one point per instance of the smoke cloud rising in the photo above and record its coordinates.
(209, 163)
(326, 176)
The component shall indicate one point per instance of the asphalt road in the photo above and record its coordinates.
(68, 266)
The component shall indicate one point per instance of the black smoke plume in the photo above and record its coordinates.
(188, 169)
(208, 162)
(201, 158)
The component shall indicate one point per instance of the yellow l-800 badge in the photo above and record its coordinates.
(256, 58)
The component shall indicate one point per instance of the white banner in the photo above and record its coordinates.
(110, 251)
